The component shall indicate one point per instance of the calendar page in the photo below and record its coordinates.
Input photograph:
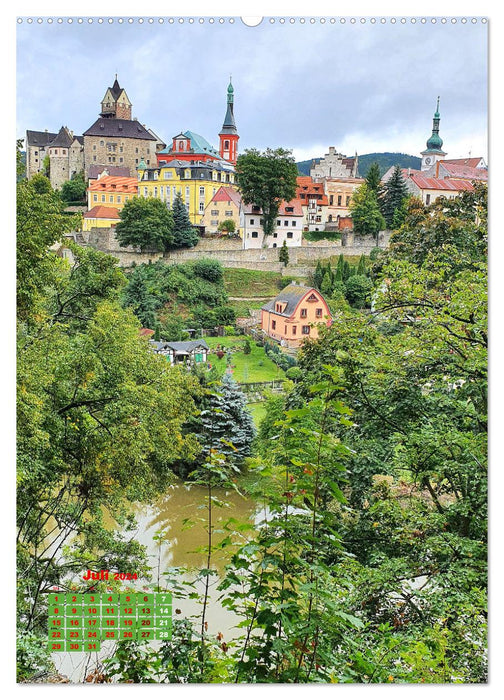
(251, 348)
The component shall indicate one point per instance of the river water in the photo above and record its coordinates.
(179, 544)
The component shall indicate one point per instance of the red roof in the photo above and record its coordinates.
(435, 183)
(146, 331)
(227, 194)
(470, 162)
(296, 205)
(460, 170)
(306, 186)
(111, 183)
(101, 212)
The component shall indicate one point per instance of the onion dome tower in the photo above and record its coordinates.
(434, 150)
(228, 137)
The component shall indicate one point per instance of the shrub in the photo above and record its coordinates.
(375, 252)
(210, 270)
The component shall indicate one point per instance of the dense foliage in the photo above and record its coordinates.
(188, 294)
(99, 420)
(147, 224)
(184, 233)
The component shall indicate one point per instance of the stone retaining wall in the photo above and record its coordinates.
(229, 252)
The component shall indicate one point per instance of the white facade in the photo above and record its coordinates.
(289, 228)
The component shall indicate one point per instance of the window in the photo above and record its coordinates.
(289, 234)
(318, 313)
(202, 207)
(294, 223)
(155, 192)
(331, 199)
(103, 198)
(273, 325)
(214, 212)
(306, 330)
(255, 234)
(348, 200)
(214, 222)
(339, 200)
(94, 157)
(285, 330)
(94, 147)
(146, 192)
(121, 160)
(304, 313)
(201, 191)
(167, 175)
(226, 145)
(274, 245)
(294, 330)
(95, 198)
(118, 198)
(111, 198)
(427, 199)
(228, 213)
(102, 143)
(279, 223)
(252, 221)
(275, 235)
(286, 223)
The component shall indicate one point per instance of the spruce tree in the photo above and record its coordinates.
(318, 275)
(283, 254)
(326, 286)
(394, 194)
(361, 267)
(339, 269)
(373, 178)
(138, 297)
(226, 424)
(184, 233)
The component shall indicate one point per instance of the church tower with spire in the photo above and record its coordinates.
(228, 137)
(434, 150)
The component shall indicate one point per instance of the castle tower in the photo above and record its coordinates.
(228, 137)
(116, 103)
(434, 151)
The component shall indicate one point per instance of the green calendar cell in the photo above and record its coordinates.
(125, 598)
(91, 599)
(145, 611)
(92, 634)
(144, 598)
(110, 598)
(73, 598)
(163, 634)
(92, 610)
(127, 634)
(91, 645)
(127, 623)
(73, 645)
(112, 634)
(56, 635)
(56, 622)
(163, 611)
(145, 622)
(56, 599)
(56, 610)
(74, 634)
(163, 598)
(73, 610)
(146, 634)
(56, 645)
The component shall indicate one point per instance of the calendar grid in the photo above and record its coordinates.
(82, 621)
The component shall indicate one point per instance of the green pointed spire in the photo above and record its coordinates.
(230, 92)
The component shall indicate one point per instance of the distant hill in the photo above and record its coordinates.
(384, 160)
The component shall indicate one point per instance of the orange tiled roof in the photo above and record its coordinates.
(112, 183)
(101, 212)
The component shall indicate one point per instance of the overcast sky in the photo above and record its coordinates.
(358, 87)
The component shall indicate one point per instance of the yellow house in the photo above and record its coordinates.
(196, 181)
(111, 191)
(100, 217)
(224, 205)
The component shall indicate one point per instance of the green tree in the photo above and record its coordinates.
(366, 215)
(357, 290)
(138, 297)
(283, 254)
(184, 233)
(74, 190)
(373, 178)
(20, 160)
(395, 191)
(266, 179)
(227, 226)
(145, 223)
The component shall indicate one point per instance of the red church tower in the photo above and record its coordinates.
(228, 147)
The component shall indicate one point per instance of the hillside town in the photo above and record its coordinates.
(121, 158)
